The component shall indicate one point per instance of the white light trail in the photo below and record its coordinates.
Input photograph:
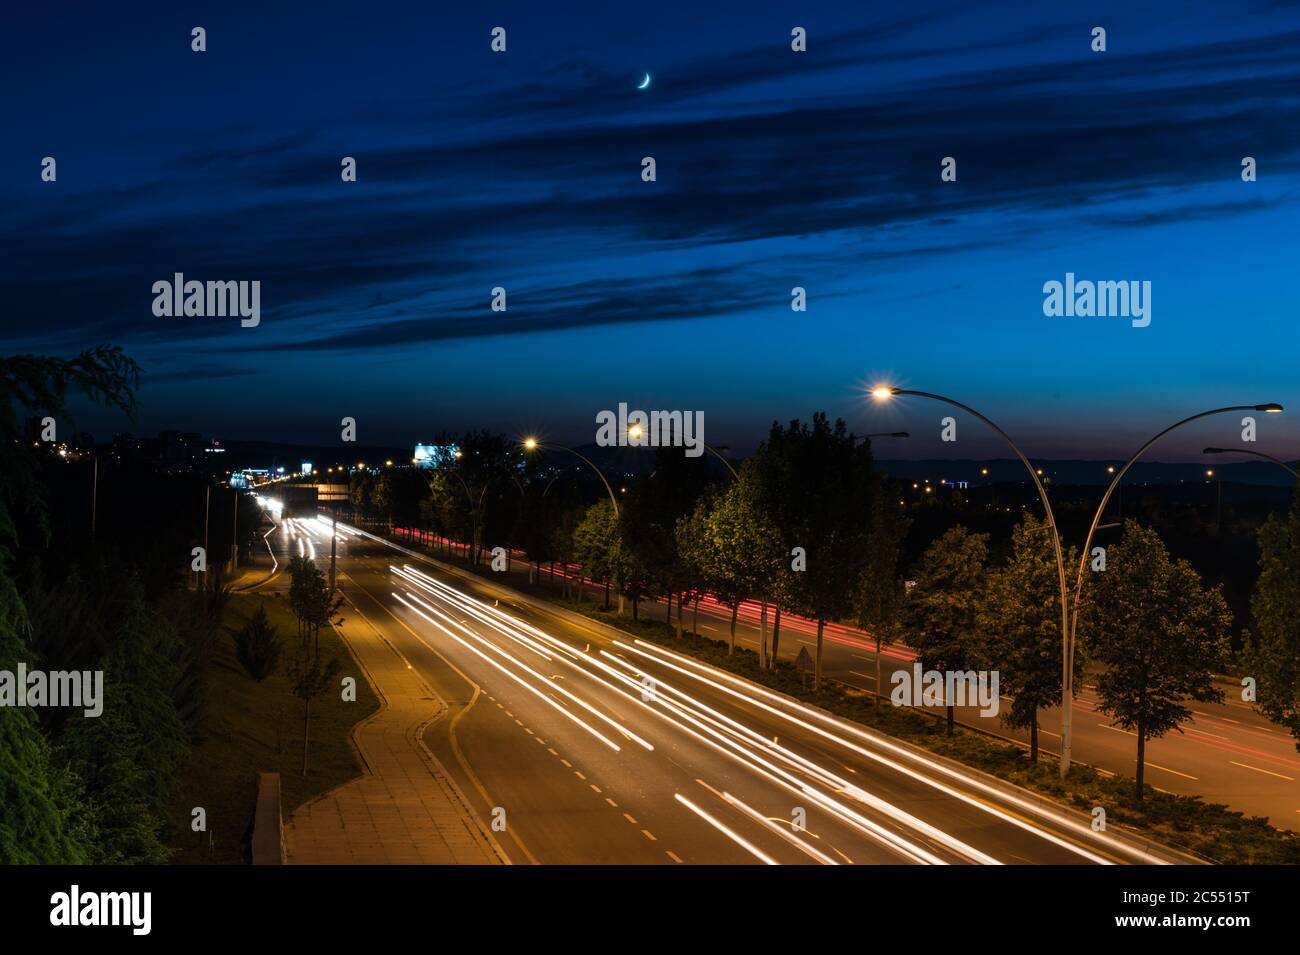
(729, 833)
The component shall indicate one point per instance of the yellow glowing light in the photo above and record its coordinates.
(882, 391)
(529, 443)
(634, 431)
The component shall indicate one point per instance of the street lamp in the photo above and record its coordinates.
(1256, 454)
(884, 392)
(1268, 407)
(531, 444)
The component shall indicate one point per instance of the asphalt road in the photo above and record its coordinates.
(1228, 753)
(592, 749)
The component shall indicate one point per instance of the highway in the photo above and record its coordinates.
(1227, 753)
(593, 748)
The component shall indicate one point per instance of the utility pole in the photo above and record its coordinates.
(94, 500)
(334, 546)
(234, 536)
(207, 508)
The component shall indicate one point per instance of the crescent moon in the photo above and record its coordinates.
(645, 83)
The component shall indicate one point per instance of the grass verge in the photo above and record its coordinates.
(250, 728)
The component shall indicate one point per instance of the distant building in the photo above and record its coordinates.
(433, 455)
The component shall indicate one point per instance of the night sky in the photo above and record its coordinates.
(775, 169)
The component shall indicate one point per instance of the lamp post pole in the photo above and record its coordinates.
(1067, 683)
(1271, 408)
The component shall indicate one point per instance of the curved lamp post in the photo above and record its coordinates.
(885, 392)
(531, 444)
(1270, 407)
(1256, 454)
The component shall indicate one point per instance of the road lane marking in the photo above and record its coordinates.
(628, 816)
(1116, 729)
(595, 788)
(865, 676)
(1168, 770)
(579, 775)
(649, 835)
(611, 802)
(678, 859)
(1265, 771)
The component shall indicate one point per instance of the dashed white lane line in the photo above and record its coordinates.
(567, 764)
(630, 818)
(1107, 726)
(595, 788)
(649, 835)
(615, 805)
(1268, 772)
(579, 775)
(678, 859)
(1168, 770)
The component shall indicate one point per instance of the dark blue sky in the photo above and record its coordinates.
(775, 169)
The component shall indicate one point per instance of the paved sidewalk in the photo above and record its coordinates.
(405, 809)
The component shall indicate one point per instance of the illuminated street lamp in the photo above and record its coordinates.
(885, 392)
(531, 444)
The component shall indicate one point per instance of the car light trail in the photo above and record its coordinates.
(671, 709)
(844, 813)
(767, 823)
(550, 685)
(531, 689)
(761, 767)
(968, 780)
(729, 833)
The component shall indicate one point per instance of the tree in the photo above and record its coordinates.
(733, 547)
(881, 593)
(1020, 618)
(596, 542)
(816, 486)
(309, 677)
(650, 513)
(1274, 655)
(941, 609)
(311, 600)
(482, 463)
(1160, 634)
(258, 645)
(41, 818)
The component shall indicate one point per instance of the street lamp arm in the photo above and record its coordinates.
(1119, 476)
(1042, 492)
(1256, 454)
(718, 454)
(599, 473)
(1101, 508)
